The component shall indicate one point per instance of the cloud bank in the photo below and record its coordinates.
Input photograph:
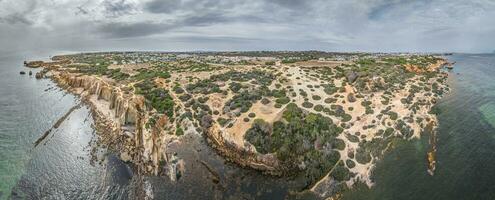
(183, 25)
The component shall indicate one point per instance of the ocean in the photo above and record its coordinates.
(63, 166)
(60, 167)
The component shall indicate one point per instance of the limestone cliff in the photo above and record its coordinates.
(242, 155)
(120, 118)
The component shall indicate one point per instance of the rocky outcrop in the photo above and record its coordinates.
(36, 64)
(429, 68)
(351, 77)
(41, 74)
(244, 157)
(33, 64)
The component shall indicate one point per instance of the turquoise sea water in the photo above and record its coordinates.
(60, 167)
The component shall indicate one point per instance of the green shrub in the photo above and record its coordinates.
(282, 100)
(330, 100)
(179, 131)
(341, 173)
(363, 156)
(265, 101)
(307, 104)
(393, 115)
(366, 103)
(178, 90)
(435, 110)
(203, 99)
(222, 121)
(293, 141)
(338, 144)
(318, 108)
(352, 138)
(270, 63)
(346, 117)
(351, 164)
(147, 74)
(157, 98)
(235, 86)
(259, 136)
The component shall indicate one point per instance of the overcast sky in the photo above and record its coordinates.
(182, 25)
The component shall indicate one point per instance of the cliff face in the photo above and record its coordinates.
(241, 155)
(121, 119)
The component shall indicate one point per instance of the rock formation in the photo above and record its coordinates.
(120, 119)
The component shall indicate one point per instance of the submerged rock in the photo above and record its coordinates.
(22, 72)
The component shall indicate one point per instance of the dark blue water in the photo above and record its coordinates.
(466, 144)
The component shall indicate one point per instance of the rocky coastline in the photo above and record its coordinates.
(121, 117)
(123, 121)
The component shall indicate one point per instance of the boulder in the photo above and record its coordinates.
(206, 121)
(351, 98)
(39, 75)
(352, 76)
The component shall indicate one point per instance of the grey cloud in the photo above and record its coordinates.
(20, 15)
(81, 10)
(127, 30)
(380, 11)
(116, 8)
(351, 25)
(162, 6)
(140, 29)
(16, 18)
(192, 6)
(204, 19)
(293, 4)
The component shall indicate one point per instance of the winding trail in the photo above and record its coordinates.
(325, 177)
